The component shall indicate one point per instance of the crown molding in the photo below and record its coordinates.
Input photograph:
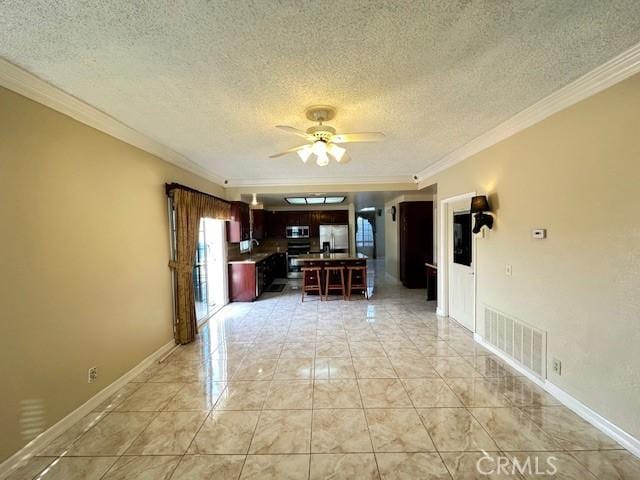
(606, 75)
(28, 85)
(289, 182)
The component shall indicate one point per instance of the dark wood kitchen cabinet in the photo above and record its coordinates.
(315, 218)
(338, 217)
(258, 224)
(276, 224)
(281, 267)
(242, 282)
(416, 242)
(247, 280)
(238, 228)
(298, 217)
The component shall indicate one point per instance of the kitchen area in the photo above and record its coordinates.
(267, 248)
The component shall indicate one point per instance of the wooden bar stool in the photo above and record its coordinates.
(335, 269)
(311, 279)
(360, 271)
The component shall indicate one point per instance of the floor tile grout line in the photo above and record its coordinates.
(373, 448)
(435, 446)
(255, 428)
(402, 322)
(469, 411)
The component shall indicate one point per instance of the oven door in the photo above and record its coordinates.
(294, 267)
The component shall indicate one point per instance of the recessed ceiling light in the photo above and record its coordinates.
(313, 200)
(367, 209)
(296, 200)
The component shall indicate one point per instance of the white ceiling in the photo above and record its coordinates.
(210, 79)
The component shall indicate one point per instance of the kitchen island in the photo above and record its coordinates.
(344, 260)
(333, 257)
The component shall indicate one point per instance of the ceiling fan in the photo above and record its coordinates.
(323, 140)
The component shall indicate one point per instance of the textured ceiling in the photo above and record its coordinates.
(210, 79)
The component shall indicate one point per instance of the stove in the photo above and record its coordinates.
(294, 249)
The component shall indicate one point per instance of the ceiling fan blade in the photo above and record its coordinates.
(358, 137)
(295, 131)
(345, 159)
(291, 150)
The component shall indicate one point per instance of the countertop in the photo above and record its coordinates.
(332, 256)
(253, 258)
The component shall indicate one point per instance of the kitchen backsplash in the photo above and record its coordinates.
(268, 245)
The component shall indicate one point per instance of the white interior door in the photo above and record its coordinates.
(461, 264)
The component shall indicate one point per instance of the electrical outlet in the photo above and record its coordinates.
(556, 366)
(93, 374)
(507, 269)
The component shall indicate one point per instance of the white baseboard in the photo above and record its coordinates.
(605, 426)
(37, 444)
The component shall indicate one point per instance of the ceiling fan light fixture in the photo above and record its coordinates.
(319, 148)
(305, 153)
(323, 139)
(323, 159)
(336, 152)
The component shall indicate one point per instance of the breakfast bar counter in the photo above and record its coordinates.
(332, 257)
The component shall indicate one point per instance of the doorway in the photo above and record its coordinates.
(457, 262)
(209, 281)
(366, 235)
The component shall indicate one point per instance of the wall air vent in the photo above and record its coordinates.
(523, 343)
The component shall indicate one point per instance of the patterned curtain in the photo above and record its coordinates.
(189, 208)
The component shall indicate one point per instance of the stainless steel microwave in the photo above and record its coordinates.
(298, 231)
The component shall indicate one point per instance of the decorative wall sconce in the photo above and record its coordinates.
(480, 205)
(393, 213)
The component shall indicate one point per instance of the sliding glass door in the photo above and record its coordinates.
(209, 268)
(204, 302)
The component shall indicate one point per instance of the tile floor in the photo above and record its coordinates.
(288, 390)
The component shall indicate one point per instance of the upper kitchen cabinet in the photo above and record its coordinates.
(340, 217)
(258, 224)
(314, 223)
(333, 217)
(275, 224)
(238, 228)
(298, 217)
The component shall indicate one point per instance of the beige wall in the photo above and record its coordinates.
(576, 174)
(84, 272)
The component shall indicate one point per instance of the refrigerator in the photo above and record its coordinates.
(335, 238)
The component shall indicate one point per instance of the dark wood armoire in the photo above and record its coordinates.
(416, 242)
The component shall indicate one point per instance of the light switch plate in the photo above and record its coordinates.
(507, 269)
(539, 233)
